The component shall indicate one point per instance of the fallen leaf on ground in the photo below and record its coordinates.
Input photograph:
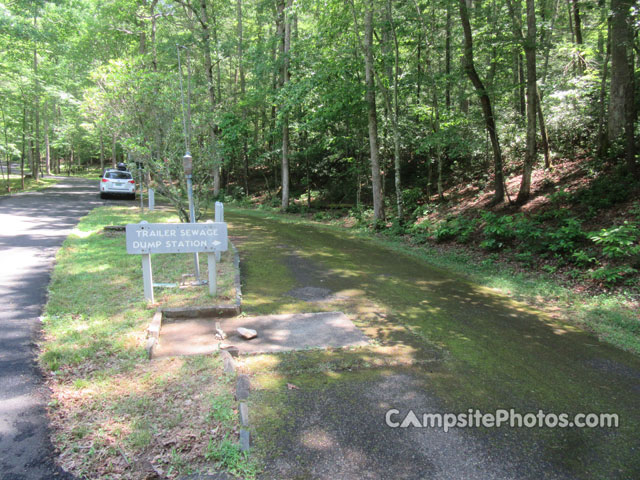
(291, 386)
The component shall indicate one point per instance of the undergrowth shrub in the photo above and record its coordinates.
(459, 228)
(498, 231)
(530, 233)
(618, 241)
(607, 190)
(566, 238)
(411, 201)
(612, 275)
(420, 232)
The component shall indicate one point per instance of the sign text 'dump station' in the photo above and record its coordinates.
(176, 237)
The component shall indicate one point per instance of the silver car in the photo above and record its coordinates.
(117, 182)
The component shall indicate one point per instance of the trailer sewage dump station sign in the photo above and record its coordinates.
(145, 238)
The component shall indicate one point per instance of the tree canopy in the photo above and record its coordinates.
(361, 102)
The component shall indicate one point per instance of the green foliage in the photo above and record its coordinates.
(411, 198)
(460, 228)
(618, 241)
(613, 274)
(560, 197)
(530, 233)
(397, 228)
(222, 408)
(498, 231)
(565, 238)
(583, 258)
(570, 119)
(420, 232)
(525, 257)
(228, 456)
(607, 190)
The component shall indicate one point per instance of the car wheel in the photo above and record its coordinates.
(103, 195)
(132, 196)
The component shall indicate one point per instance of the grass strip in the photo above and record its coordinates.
(114, 413)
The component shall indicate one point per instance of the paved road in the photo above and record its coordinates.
(486, 353)
(32, 227)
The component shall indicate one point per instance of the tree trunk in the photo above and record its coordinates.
(242, 93)
(396, 129)
(485, 102)
(208, 67)
(114, 151)
(549, 42)
(286, 47)
(532, 97)
(602, 126)
(622, 98)
(22, 153)
(36, 104)
(570, 22)
(378, 207)
(575, 10)
(543, 131)
(521, 86)
(101, 152)
(447, 60)
(8, 155)
(47, 145)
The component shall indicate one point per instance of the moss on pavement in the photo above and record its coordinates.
(498, 353)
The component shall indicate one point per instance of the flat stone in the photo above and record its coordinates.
(243, 387)
(278, 333)
(244, 414)
(247, 333)
(297, 331)
(245, 440)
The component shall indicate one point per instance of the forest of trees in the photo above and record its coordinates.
(361, 102)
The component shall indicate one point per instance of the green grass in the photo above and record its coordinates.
(106, 393)
(90, 173)
(228, 456)
(30, 184)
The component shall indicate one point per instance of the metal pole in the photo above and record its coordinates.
(211, 263)
(141, 190)
(219, 216)
(147, 277)
(192, 219)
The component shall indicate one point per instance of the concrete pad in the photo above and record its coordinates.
(276, 333)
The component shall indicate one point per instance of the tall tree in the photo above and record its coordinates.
(622, 111)
(286, 48)
(35, 171)
(395, 115)
(376, 184)
(529, 44)
(485, 101)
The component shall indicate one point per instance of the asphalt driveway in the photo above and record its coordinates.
(32, 228)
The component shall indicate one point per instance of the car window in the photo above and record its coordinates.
(118, 175)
